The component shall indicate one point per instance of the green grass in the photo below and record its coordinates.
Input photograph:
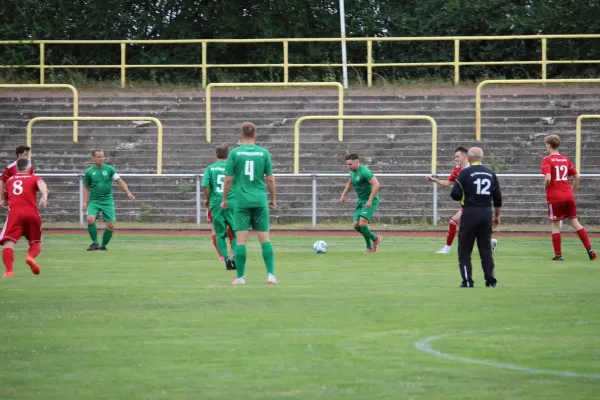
(157, 318)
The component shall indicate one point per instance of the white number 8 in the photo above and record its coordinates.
(17, 187)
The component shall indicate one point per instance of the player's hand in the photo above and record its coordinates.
(43, 202)
(495, 222)
(272, 204)
(429, 178)
(224, 204)
(206, 203)
(131, 196)
(84, 207)
(342, 200)
(369, 204)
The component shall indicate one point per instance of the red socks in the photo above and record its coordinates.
(8, 258)
(583, 236)
(556, 244)
(451, 232)
(230, 234)
(214, 237)
(34, 250)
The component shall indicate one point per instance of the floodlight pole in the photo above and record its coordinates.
(343, 36)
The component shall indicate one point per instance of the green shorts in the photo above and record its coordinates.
(221, 219)
(256, 217)
(107, 208)
(362, 211)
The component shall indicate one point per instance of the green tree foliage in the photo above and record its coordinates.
(248, 19)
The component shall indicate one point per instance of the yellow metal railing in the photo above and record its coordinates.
(368, 118)
(369, 64)
(53, 86)
(277, 84)
(159, 151)
(578, 138)
(515, 82)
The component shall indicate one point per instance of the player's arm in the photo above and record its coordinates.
(115, 177)
(497, 201)
(547, 180)
(206, 185)
(457, 190)
(87, 181)
(374, 190)
(228, 178)
(546, 170)
(576, 182)
(346, 190)
(5, 177)
(270, 181)
(41, 185)
(441, 182)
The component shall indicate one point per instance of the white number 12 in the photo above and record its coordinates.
(483, 186)
(249, 169)
(561, 173)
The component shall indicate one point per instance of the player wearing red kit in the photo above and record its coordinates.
(23, 218)
(11, 169)
(557, 169)
(460, 158)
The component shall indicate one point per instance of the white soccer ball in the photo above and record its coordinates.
(320, 247)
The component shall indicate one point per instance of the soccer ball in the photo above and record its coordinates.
(320, 247)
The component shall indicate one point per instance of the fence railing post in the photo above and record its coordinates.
(456, 62)
(123, 64)
(198, 200)
(286, 62)
(204, 72)
(544, 58)
(42, 63)
(80, 178)
(314, 201)
(369, 63)
(435, 204)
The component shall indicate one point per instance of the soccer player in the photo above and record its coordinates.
(367, 189)
(23, 218)
(460, 157)
(477, 188)
(557, 169)
(11, 169)
(212, 186)
(214, 236)
(97, 189)
(249, 168)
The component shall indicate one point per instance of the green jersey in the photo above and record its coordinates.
(248, 165)
(214, 180)
(361, 182)
(100, 180)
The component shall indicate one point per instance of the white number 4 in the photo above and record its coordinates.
(483, 186)
(561, 173)
(249, 169)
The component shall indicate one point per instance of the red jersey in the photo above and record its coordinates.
(455, 173)
(11, 170)
(560, 169)
(22, 191)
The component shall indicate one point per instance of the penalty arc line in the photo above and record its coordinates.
(425, 346)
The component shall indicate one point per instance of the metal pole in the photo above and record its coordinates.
(80, 178)
(198, 200)
(314, 201)
(435, 205)
(343, 35)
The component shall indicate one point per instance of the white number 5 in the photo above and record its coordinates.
(249, 169)
(220, 183)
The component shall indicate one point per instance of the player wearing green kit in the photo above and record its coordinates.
(97, 189)
(367, 189)
(213, 184)
(249, 168)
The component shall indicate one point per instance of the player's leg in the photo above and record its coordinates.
(363, 223)
(583, 236)
(241, 225)
(229, 217)
(209, 217)
(32, 231)
(231, 236)
(260, 223)
(358, 212)
(220, 228)
(93, 211)
(466, 241)
(484, 245)
(11, 232)
(555, 216)
(109, 215)
(452, 227)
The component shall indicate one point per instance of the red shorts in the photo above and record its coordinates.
(209, 215)
(561, 210)
(22, 223)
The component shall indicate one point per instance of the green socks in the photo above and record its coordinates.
(240, 259)
(268, 256)
(222, 246)
(93, 231)
(106, 237)
(367, 234)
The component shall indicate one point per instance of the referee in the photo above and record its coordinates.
(477, 188)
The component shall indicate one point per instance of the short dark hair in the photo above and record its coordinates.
(22, 164)
(461, 149)
(553, 141)
(96, 150)
(222, 151)
(351, 156)
(248, 130)
(22, 149)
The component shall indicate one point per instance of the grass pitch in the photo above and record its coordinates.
(156, 317)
